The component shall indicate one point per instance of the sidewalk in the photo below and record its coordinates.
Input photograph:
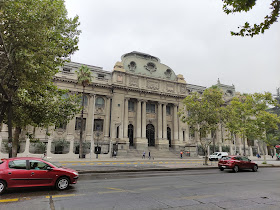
(112, 165)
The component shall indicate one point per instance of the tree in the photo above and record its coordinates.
(35, 38)
(247, 117)
(84, 78)
(203, 113)
(233, 6)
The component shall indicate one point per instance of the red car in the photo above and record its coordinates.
(34, 172)
(237, 163)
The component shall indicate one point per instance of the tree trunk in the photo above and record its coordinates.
(264, 153)
(16, 141)
(10, 128)
(82, 126)
(205, 155)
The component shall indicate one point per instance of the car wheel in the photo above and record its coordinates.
(235, 169)
(2, 186)
(221, 169)
(62, 183)
(255, 168)
(210, 159)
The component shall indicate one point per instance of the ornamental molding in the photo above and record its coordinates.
(170, 88)
(151, 67)
(152, 85)
(133, 81)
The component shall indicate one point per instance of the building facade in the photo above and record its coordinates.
(133, 107)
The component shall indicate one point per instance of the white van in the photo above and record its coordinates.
(217, 155)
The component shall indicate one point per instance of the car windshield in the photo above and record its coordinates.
(226, 158)
(215, 153)
(58, 165)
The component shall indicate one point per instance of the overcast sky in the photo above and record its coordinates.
(192, 37)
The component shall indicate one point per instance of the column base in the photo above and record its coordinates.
(162, 144)
(141, 144)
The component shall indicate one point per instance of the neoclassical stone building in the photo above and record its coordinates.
(134, 106)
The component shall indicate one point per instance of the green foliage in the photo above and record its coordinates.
(36, 38)
(203, 113)
(84, 75)
(233, 6)
(247, 116)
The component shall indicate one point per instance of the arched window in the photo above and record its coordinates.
(99, 102)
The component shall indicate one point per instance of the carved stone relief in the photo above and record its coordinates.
(151, 67)
(183, 88)
(170, 88)
(133, 81)
(120, 78)
(152, 85)
(99, 110)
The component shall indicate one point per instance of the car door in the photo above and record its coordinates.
(17, 174)
(238, 162)
(246, 163)
(38, 173)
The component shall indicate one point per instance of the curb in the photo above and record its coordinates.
(161, 169)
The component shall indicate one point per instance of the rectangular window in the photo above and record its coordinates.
(66, 70)
(100, 76)
(78, 124)
(191, 132)
(131, 106)
(98, 125)
(183, 135)
(168, 110)
(17, 164)
(61, 126)
(150, 108)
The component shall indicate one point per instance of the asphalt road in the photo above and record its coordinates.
(201, 189)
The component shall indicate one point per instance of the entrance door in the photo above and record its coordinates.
(150, 134)
(130, 134)
(169, 135)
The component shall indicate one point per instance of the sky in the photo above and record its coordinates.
(191, 37)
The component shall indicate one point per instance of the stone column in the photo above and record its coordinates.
(49, 146)
(92, 127)
(144, 120)
(70, 129)
(138, 120)
(90, 118)
(164, 123)
(175, 123)
(107, 118)
(27, 145)
(125, 123)
(159, 121)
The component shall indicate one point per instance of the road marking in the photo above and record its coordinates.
(61, 196)
(154, 162)
(195, 197)
(165, 162)
(114, 163)
(107, 163)
(148, 163)
(64, 164)
(99, 163)
(135, 163)
(83, 164)
(91, 164)
(128, 163)
(121, 163)
(74, 164)
(9, 200)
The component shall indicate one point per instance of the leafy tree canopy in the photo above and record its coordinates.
(233, 6)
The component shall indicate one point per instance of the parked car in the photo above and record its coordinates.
(34, 172)
(237, 163)
(217, 155)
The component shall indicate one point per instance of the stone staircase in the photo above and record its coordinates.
(155, 153)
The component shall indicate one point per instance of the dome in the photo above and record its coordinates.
(145, 64)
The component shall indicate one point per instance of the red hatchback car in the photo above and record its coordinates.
(34, 172)
(237, 163)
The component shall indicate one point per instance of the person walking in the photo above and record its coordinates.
(181, 154)
(149, 155)
(143, 156)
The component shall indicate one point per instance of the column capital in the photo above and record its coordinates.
(108, 97)
(92, 94)
(164, 103)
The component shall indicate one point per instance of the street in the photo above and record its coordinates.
(195, 189)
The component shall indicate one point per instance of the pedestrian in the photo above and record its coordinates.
(115, 154)
(272, 155)
(143, 156)
(149, 155)
(181, 154)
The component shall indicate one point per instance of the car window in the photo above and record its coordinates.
(37, 165)
(17, 164)
(244, 158)
(226, 158)
(237, 158)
